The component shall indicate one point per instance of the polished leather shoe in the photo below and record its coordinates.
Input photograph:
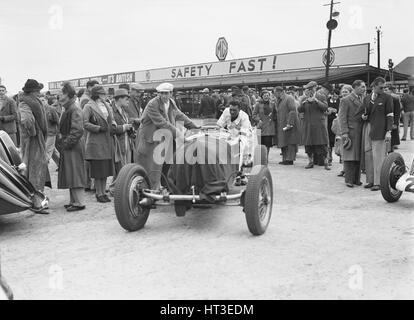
(75, 208)
(358, 183)
(101, 199)
(309, 166)
(350, 185)
(375, 188)
(67, 205)
(369, 186)
(341, 174)
(282, 162)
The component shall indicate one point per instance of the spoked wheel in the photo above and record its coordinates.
(132, 179)
(392, 170)
(258, 200)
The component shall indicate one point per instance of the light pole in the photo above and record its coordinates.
(379, 33)
(331, 25)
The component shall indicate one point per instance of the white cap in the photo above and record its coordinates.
(206, 90)
(165, 87)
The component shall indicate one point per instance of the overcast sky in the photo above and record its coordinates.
(62, 39)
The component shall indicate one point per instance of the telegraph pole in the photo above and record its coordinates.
(379, 33)
(331, 25)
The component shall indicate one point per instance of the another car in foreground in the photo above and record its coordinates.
(396, 177)
(16, 192)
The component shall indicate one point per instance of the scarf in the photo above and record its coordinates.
(37, 109)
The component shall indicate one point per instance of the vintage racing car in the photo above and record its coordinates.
(395, 177)
(16, 192)
(238, 176)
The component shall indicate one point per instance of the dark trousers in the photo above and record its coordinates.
(289, 152)
(352, 171)
(318, 153)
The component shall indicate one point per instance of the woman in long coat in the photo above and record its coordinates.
(262, 117)
(350, 125)
(72, 173)
(33, 135)
(99, 147)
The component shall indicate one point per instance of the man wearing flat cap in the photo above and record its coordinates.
(160, 113)
(315, 130)
(208, 108)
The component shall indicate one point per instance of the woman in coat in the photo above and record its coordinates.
(71, 144)
(262, 117)
(122, 143)
(99, 150)
(350, 125)
(33, 135)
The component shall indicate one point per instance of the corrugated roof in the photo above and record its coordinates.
(406, 66)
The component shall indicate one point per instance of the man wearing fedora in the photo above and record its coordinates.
(160, 113)
(33, 135)
(315, 131)
(350, 126)
(8, 115)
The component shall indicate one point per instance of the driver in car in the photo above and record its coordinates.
(237, 122)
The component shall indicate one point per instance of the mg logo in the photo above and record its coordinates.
(221, 49)
(325, 57)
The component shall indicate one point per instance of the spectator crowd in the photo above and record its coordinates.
(91, 135)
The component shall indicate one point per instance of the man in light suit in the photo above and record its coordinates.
(377, 112)
(160, 113)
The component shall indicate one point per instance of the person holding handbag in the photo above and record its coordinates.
(99, 149)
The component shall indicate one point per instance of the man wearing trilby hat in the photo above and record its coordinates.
(160, 113)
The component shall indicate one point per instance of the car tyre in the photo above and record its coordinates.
(392, 169)
(131, 180)
(258, 200)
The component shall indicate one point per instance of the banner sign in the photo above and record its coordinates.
(117, 78)
(342, 56)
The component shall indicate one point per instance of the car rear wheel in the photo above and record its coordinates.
(258, 200)
(392, 169)
(132, 179)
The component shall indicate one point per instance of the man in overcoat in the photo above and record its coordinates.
(287, 126)
(350, 126)
(315, 131)
(160, 113)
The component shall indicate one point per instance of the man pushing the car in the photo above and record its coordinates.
(160, 113)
